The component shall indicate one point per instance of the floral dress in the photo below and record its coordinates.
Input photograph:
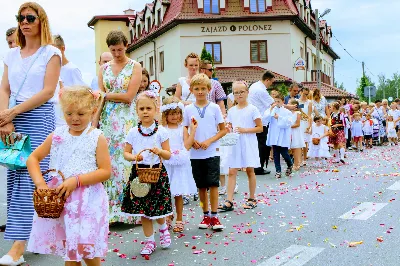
(116, 120)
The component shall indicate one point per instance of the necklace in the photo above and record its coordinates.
(147, 134)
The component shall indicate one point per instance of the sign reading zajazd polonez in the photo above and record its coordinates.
(234, 28)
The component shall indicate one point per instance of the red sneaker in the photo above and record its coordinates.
(205, 223)
(215, 224)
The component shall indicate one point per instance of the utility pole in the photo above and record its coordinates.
(363, 69)
(318, 44)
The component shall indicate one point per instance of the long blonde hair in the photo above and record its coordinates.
(45, 33)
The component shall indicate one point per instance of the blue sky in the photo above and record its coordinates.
(366, 28)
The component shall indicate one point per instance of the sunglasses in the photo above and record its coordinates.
(29, 18)
(209, 69)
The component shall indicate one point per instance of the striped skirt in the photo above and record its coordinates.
(38, 124)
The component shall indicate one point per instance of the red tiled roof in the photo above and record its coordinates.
(248, 73)
(327, 90)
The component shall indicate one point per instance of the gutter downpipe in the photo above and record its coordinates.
(155, 59)
(305, 44)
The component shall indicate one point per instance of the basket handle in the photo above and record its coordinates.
(137, 164)
(54, 170)
(317, 134)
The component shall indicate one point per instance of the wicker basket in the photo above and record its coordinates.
(46, 201)
(148, 175)
(316, 141)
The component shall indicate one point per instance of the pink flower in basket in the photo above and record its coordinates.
(57, 139)
(175, 152)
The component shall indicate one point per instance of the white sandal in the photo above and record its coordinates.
(7, 260)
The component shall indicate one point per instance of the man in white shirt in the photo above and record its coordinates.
(260, 98)
(70, 73)
(104, 58)
(11, 37)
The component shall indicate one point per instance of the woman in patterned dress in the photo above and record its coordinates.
(120, 80)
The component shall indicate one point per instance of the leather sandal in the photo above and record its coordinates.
(225, 208)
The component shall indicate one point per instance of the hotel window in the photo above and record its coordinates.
(211, 6)
(308, 60)
(159, 17)
(139, 31)
(214, 48)
(141, 63)
(148, 23)
(131, 35)
(162, 61)
(301, 52)
(257, 6)
(151, 66)
(258, 52)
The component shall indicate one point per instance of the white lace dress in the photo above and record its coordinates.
(81, 232)
(178, 166)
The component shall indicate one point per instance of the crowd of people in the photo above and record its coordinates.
(126, 154)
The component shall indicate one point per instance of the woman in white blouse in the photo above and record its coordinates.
(192, 63)
(321, 106)
(30, 77)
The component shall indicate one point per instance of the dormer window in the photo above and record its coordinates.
(211, 7)
(257, 6)
(159, 17)
(148, 23)
(139, 31)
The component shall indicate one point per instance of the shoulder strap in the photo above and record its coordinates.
(27, 72)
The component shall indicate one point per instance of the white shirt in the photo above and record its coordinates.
(395, 113)
(140, 142)
(71, 75)
(186, 94)
(95, 83)
(18, 68)
(259, 97)
(280, 131)
(208, 119)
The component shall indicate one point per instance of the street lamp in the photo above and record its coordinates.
(318, 45)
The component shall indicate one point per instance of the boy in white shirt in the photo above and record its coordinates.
(204, 154)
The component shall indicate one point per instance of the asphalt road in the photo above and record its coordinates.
(309, 219)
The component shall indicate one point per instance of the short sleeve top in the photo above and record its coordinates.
(18, 68)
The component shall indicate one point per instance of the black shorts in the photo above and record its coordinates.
(367, 137)
(206, 172)
(397, 128)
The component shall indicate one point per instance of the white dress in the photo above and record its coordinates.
(391, 129)
(304, 123)
(245, 152)
(321, 150)
(186, 95)
(297, 134)
(81, 232)
(178, 166)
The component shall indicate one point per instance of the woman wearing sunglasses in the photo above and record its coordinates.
(31, 73)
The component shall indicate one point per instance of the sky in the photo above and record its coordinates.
(365, 28)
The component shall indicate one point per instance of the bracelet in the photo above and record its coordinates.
(78, 182)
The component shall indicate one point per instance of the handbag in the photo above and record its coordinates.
(14, 156)
(229, 139)
(13, 97)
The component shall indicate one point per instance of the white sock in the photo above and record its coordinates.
(163, 226)
(150, 238)
(342, 153)
(337, 155)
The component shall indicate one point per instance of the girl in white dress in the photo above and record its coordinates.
(306, 109)
(391, 130)
(80, 152)
(178, 166)
(297, 135)
(319, 131)
(244, 119)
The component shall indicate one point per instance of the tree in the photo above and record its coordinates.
(341, 86)
(363, 82)
(205, 55)
(283, 89)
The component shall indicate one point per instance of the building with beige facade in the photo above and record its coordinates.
(245, 38)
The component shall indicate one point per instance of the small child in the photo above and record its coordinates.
(320, 150)
(80, 152)
(280, 122)
(178, 167)
(368, 130)
(391, 131)
(245, 119)
(156, 205)
(204, 154)
(357, 132)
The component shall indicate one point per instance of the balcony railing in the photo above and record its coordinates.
(324, 77)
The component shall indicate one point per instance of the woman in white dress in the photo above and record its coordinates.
(297, 135)
(306, 109)
(182, 92)
(244, 119)
(321, 106)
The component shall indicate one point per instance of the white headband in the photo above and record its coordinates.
(172, 106)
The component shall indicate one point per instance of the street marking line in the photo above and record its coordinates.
(395, 186)
(294, 255)
(364, 211)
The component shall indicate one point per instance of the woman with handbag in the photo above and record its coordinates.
(30, 77)
(120, 80)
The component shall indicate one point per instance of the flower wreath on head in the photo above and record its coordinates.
(172, 106)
